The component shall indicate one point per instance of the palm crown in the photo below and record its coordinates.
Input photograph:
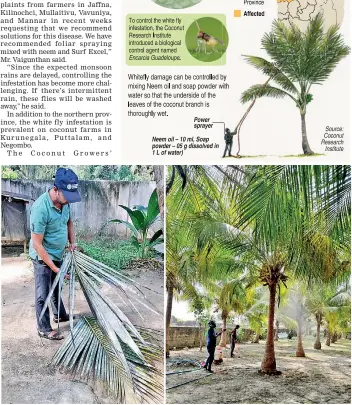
(298, 61)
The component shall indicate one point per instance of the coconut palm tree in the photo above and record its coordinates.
(298, 60)
(299, 216)
(267, 221)
(159, 180)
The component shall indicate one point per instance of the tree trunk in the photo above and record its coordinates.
(223, 334)
(256, 338)
(170, 295)
(328, 338)
(300, 350)
(334, 337)
(276, 338)
(159, 180)
(201, 333)
(269, 362)
(317, 344)
(305, 145)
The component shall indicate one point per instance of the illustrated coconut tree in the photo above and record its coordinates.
(298, 61)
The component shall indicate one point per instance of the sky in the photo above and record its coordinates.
(180, 309)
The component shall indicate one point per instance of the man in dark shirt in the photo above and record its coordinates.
(228, 136)
(234, 339)
(211, 344)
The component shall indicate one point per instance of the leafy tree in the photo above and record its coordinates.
(274, 221)
(142, 218)
(299, 60)
(200, 308)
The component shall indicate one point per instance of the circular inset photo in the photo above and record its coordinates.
(207, 39)
(177, 3)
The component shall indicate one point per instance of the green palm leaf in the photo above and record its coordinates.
(263, 90)
(269, 69)
(153, 208)
(107, 346)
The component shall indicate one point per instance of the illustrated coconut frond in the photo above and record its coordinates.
(107, 347)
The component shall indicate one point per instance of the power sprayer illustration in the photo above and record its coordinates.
(204, 40)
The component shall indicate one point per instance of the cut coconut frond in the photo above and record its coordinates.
(107, 347)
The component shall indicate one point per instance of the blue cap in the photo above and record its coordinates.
(67, 182)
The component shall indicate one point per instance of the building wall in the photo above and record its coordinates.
(100, 202)
(188, 336)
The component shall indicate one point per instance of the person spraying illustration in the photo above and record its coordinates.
(228, 137)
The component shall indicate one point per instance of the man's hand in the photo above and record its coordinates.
(56, 269)
(72, 247)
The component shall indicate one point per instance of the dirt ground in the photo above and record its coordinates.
(26, 376)
(323, 376)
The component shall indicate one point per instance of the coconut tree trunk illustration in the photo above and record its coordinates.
(317, 344)
(300, 350)
(269, 361)
(239, 125)
(328, 338)
(224, 315)
(276, 337)
(305, 145)
(170, 295)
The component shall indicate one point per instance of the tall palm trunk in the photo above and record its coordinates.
(300, 350)
(223, 334)
(256, 337)
(305, 145)
(276, 338)
(159, 180)
(328, 338)
(317, 344)
(269, 362)
(201, 333)
(170, 295)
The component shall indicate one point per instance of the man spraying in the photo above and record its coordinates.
(51, 226)
(211, 344)
(228, 136)
(234, 339)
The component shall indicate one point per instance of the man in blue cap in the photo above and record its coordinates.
(51, 226)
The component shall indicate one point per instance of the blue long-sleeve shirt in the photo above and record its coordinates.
(211, 337)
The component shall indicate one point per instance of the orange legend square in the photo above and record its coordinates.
(237, 13)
